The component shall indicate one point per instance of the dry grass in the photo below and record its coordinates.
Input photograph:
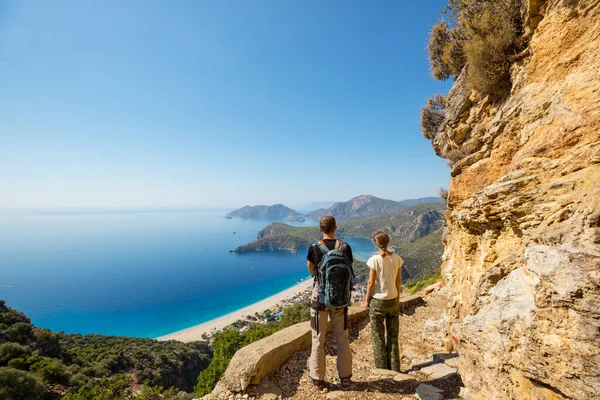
(432, 116)
(443, 194)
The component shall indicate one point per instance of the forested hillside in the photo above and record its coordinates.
(415, 233)
(39, 364)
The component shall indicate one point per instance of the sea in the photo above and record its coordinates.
(139, 273)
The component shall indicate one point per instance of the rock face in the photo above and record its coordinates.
(522, 250)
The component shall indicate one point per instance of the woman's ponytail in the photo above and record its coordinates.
(382, 240)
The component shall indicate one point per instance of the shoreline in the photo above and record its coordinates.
(194, 333)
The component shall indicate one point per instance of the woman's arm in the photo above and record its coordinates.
(370, 287)
(399, 278)
(399, 281)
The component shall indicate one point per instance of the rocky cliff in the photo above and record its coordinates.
(522, 249)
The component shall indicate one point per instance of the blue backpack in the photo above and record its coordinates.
(334, 276)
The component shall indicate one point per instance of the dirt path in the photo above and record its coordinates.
(369, 384)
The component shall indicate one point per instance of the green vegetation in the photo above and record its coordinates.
(39, 363)
(485, 35)
(276, 211)
(423, 256)
(20, 385)
(230, 340)
(414, 285)
(361, 272)
(415, 233)
(281, 236)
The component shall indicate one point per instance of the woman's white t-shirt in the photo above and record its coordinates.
(387, 269)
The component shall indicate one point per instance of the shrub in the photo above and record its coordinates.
(114, 388)
(21, 332)
(482, 34)
(492, 42)
(8, 351)
(51, 370)
(19, 385)
(446, 56)
(225, 344)
(443, 194)
(432, 116)
(47, 342)
(296, 313)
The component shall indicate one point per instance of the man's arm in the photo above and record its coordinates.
(311, 267)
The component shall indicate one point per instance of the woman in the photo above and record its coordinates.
(382, 300)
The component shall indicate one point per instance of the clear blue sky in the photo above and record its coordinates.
(214, 103)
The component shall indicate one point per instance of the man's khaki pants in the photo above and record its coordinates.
(340, 333)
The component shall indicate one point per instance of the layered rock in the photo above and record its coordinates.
(522, 250)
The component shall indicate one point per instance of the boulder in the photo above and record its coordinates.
(439, 371)
(252, 363)
(428, 392)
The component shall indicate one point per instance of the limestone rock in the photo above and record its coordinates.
(439, 371)
(378, 373)
(252, 363)
(268, 388)
(428, 392)
(403, 377)
(336, 394)
(522, 250)
(434, 332)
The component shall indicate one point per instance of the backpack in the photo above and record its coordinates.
(334, 276)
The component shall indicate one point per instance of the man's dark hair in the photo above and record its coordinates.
(327, 224)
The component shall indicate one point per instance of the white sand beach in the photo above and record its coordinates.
(195, 332)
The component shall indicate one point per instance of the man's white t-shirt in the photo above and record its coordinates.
(387, 269)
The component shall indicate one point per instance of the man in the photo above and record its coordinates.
(319, 315)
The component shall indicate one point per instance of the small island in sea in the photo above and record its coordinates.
(415, 233)
(276, 211)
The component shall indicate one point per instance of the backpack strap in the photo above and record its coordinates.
(338, 244)
(323, 247)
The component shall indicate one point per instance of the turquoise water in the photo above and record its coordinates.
(141, 274)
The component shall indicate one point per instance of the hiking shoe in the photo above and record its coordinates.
(318, 383)
(346, 383)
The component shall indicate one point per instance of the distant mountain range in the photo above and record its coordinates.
(359, 207)
(422, 200)
(277, 211)
(414, 232)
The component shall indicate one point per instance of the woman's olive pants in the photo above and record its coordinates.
(383, 315)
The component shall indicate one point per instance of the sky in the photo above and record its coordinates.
(214, 103)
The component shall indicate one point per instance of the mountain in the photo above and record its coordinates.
(415, 233)
(306, 208)
(359, 207)
(39, 364)
(422, 200)
(277, 211)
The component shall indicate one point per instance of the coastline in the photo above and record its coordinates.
(194, 333)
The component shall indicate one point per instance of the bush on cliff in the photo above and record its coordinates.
(482, 34)
(432, 116)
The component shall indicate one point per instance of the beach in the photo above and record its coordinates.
(195, 332)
